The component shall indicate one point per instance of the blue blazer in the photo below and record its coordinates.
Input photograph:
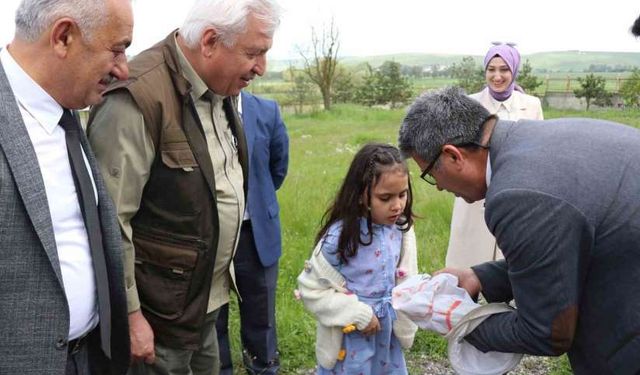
(268, 145)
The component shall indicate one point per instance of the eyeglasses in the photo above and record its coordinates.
(426, 173)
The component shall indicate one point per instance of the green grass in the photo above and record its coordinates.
(322, 146)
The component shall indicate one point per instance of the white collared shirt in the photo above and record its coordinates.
(41, 114)
(502, 108)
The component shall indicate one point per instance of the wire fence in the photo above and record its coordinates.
(552, 88)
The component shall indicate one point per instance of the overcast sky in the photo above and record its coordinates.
(375, 27)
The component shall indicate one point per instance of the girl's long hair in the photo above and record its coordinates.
(348, 206)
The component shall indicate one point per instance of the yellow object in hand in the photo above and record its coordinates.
(341, 354)
(349, 328)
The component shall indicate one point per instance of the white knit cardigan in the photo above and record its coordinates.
(322, 290)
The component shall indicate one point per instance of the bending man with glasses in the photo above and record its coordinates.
(562, 201)
(470, 242)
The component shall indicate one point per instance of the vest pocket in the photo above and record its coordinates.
(179, 155)
(164, 270)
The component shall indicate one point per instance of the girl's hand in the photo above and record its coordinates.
(373, 327)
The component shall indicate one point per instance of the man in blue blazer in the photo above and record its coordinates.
(561, 198)
(260, 245)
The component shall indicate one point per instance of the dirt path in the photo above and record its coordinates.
(528, 366)
(429, 366)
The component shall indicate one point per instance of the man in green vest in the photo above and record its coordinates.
(173, 153)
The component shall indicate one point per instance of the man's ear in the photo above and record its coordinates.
(454, 157)
(452, 152)
(62, 35)
(209, 41)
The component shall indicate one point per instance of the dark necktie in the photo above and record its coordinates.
(86, 196)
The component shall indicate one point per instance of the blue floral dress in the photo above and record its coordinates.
(371, 276)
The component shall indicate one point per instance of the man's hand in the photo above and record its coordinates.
(467, 279)
(142, 348)
(372, 328)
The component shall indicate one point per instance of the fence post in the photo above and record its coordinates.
(546, 84)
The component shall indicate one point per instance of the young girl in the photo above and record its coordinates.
(365, 247)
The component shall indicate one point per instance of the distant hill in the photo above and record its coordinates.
(561, 61)
(578, 61)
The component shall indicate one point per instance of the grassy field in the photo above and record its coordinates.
(322, 145)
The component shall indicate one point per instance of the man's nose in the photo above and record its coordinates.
(121, 70)
(261, 65)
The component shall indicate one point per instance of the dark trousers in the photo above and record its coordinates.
(88, 358)
(78, 363)
(257, 287)
(173, 361)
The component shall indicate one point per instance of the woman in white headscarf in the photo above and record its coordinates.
(470, 242)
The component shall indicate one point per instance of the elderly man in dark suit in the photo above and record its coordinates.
(562, 202)
(260, 245)
(62, 296)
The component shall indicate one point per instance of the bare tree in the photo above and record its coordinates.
(321, 67)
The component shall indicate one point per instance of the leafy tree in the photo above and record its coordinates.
(344, 88)
(470, 77)
(526, 79)
(300, 91)
(630, 89)
(593, 88)
(414, 71)
(417, 71)
(394, 88)
(600, 68)
(444, 71)
(433, 70)
(366, 92)
(321, 67)
(386, 85)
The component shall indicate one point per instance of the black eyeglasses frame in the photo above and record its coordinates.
(426, 176)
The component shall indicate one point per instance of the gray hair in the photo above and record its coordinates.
(33, 17)
(635, 28)
(440, 117)
(229, 18)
